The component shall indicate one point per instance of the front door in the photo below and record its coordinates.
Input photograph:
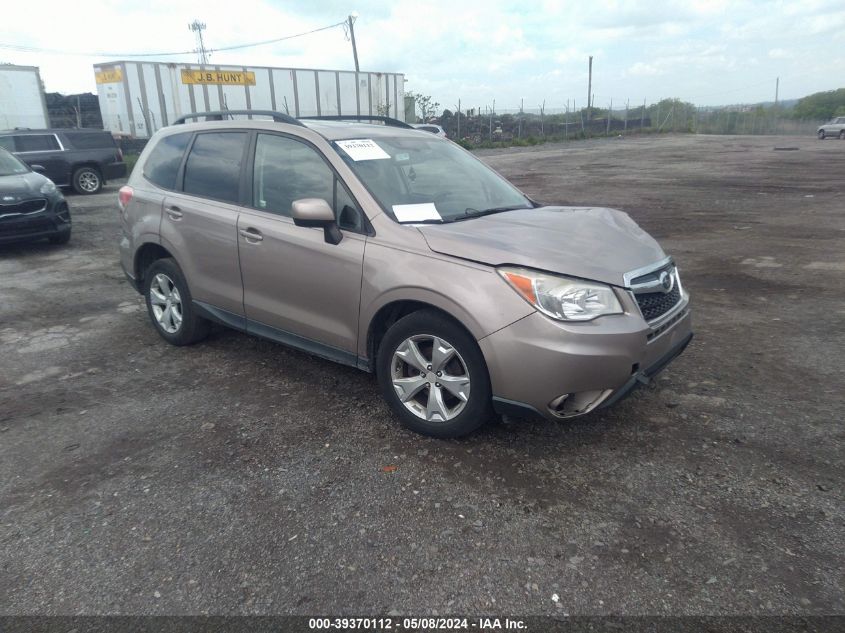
(298, 288)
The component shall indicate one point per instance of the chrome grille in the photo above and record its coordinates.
(656, 289)
(26, 206)
(654, 305)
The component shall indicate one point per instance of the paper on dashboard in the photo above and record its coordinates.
(416, 212)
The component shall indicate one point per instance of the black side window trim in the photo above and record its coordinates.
(180, 173)
(60, 147)
(247, 193)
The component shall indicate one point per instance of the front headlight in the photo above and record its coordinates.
(48, 188)
(562, 298)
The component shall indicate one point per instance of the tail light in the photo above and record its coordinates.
(124, 195)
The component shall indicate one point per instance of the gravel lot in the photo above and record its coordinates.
(238, 476)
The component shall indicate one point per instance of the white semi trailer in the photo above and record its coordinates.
(22, 103)
(138, 98)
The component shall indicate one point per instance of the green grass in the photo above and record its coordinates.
(130, 160)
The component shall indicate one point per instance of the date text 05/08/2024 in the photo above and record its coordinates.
(415, 624)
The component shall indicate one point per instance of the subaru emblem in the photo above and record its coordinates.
(667, 281)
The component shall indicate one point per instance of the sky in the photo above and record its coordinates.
(708, 52)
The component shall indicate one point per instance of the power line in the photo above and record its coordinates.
(278, 39)
(33, 49)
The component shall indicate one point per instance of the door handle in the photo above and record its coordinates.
(174, 213)
(252, 235)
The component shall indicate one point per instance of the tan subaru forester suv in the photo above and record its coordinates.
(397, 252)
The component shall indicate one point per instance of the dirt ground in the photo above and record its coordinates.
(238, 476)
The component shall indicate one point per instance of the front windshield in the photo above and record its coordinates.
(11, 166)
(428, 179)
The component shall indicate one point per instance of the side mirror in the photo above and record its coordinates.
(38, 168)
(316, 212)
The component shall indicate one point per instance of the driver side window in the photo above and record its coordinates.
(286, 170)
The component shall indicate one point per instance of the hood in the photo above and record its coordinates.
(21, 186)
(592, 243)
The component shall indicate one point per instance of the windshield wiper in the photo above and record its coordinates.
(426, 221)
(475, 213)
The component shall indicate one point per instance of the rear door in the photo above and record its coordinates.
(199, 221)
(44, 150)
(298, 288)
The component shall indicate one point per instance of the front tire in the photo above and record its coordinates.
(842, 135)
(433, 376)
(87, 180)
(821, 135)
(169, 304)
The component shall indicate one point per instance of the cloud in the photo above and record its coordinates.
(474, 49)
(643, 69)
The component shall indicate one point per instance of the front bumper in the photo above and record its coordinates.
(53, 221)
(556, 370)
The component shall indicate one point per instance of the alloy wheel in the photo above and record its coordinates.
(166, 303)
(430, 378)
(89, 181)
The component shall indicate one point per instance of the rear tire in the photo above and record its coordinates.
(170, 306)
(842, 135)
(87, 180)
(456, 405)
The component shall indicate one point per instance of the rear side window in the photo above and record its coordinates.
(7, 142)
(164, 161)
(36, 143)
(213, 168)
(90, 140)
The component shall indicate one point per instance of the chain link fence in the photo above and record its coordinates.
(485, 127)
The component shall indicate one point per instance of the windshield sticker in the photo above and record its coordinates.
(363, 149)
(416, 212)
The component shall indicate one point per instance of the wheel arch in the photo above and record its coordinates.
(393, 310)
(146, 254)
(87, 163)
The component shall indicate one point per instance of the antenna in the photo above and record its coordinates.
(202, 54)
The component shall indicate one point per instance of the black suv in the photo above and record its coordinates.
(82, 159)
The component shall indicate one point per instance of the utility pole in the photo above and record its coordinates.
(543, 119)
(202, 54)
(566, 122)
(459, 119)
(589, 89)
(777, 88)
(627, 103)
(351, 21)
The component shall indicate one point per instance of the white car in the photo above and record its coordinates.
(430, 127)
(834, 128)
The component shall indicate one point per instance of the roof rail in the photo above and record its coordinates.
(220, 115)
(359, 117)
